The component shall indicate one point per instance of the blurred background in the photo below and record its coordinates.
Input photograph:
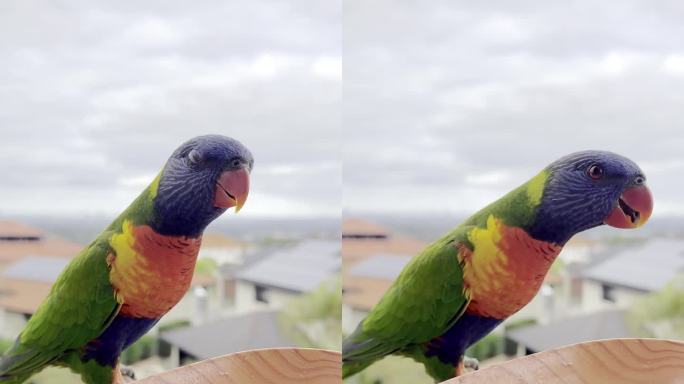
(96, 95)
(448, 105)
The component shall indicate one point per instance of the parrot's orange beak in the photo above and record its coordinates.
(232, 189)
(633, 208)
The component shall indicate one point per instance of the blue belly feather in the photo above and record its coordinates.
(121, 333)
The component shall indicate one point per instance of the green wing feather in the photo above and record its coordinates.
(422, 303)
(80, 305)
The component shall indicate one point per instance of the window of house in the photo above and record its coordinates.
(608, 292)
(260, 294)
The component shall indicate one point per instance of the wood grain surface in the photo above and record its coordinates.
(618, 361)
(263, 366)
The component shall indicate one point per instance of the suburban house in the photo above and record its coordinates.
(286, 273)
(18, 241)
(257, 329)
(228, 275)
(362, 239)
(605, 324)
(223, 249)
(631, 273)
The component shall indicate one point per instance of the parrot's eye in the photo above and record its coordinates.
(235, 163)
(639, 180)
(194, 156)
(595, 172)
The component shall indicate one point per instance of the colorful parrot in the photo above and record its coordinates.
(463, 285)
(134, 272)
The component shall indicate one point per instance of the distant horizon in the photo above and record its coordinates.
(83, 229)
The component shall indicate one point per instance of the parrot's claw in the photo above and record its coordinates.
(127, 372)
(471, 363)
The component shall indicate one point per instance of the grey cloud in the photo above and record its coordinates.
(489, 86)
(94, 93)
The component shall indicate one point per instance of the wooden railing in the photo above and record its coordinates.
(263, 366)
(618, 361)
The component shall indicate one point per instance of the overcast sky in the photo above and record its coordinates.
(96, 95)
(447, 105)
(450, 104)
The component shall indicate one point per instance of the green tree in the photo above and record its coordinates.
(315, 319)
(660, 314)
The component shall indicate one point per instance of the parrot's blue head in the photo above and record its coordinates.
(202, 178)
(589, 188)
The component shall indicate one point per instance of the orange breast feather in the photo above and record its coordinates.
(150, 272)
(505, 269)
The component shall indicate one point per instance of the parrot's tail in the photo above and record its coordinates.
(352, 368)
(7, 375)
(14, 379)
(359, 351)
(19, 363)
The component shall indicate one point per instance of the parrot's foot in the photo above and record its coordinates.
(471, 363)
(127, 372)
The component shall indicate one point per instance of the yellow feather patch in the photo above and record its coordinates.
(127, 269)
(485, 241)
(122, 244)
(154, 186)
(488, 264)
(535, 188)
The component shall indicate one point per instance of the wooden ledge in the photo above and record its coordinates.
(615, 361)
(261, 366)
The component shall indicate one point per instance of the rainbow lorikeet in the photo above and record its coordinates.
(135, 271)
(463, 285)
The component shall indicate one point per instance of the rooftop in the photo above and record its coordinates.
(648, 267)
(14, 230)
(363, 293)
(22, 296)
(214, 239)
(370, 265)
(571, 330)
(301, 268)
(39, 269)
(355, 250)
(380, 266)
(18, 241)
(355, 227)
(257, 330)
(367, 281)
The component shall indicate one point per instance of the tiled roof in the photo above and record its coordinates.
(14, 250)
(35, 268)
(10, 228)
(256, 330)
(22, 296)
(355, 226)
(571, 330)
(648, 267)
(301, 268)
